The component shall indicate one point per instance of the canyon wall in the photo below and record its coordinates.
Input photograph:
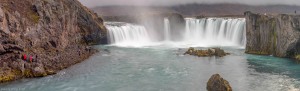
(56, 33)
(277, 35)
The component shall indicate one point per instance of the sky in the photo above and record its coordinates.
(93, 3)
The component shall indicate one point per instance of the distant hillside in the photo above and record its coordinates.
(130, 10)
(197, 9)
(232, 9)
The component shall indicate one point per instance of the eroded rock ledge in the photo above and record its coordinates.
(277, 35)
(57, 33)
(206, 53)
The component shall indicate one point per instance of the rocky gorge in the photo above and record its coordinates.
(57, 33)
(269, 34)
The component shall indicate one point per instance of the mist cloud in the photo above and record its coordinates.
(93, 3)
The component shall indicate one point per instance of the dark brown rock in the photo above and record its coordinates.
(217, 83)
(56, 33)
(2, 50)
(206, 53)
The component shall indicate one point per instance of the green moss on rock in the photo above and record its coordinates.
(35, 18)
(28, 73)
(297, 57)
(9, 75)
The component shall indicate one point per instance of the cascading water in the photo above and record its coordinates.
(166, 29)
(125, 34)
(215, 31)
(206, 32)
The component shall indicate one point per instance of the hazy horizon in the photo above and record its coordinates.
(94, 3)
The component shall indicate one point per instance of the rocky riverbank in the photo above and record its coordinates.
(277, 35)
(57, 33)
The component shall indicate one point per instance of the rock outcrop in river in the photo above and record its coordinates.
(277, 35)
(217, 83)
(206, 53)
(57, 33)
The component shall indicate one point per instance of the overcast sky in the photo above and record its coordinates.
(93, 3)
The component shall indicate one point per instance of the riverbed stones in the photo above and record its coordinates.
(217, 83)
(206, 53)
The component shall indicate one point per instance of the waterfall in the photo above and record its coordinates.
(215, 31)
(125, 34)
(205, 32)
(166, 29)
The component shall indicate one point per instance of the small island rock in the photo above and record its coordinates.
(206, 53)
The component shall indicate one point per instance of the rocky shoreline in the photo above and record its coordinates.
(57, 33)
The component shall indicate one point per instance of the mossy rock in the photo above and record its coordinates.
(28, 73)
(34, 17)
(9, 76)
(206, 53)
(297, 57)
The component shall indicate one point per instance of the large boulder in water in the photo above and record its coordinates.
(206, 53)
(217, 83)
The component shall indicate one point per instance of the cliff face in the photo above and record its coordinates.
(277, 35)
(56, 33)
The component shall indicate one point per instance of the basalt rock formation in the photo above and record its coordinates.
(217, 83)
(57, 33)
(277, 35)
(206, 53)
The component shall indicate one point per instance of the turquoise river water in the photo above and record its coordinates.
(166, 69)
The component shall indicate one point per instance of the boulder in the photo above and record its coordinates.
(39, 71)
(217, 83)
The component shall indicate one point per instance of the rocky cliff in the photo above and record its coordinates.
(57, 33)
(277, 35)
